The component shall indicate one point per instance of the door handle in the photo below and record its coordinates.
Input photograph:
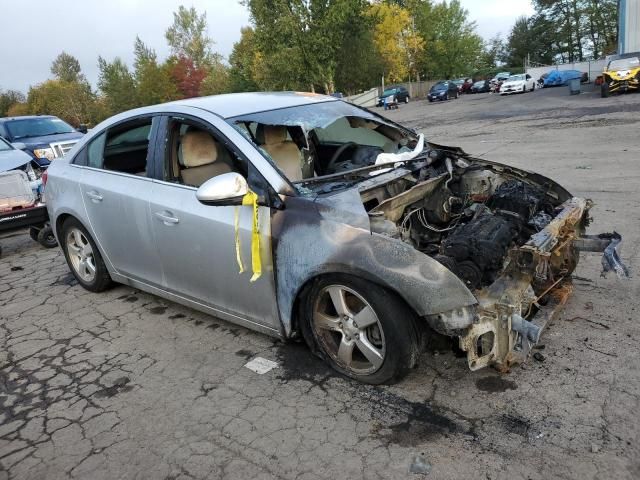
(166, 217)
(94, 196)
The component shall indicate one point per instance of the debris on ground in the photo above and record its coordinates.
(538, 357)
(261, 365)
(420, 465)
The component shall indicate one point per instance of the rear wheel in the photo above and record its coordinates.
(83, 257)
(359, 328)
(33, 233)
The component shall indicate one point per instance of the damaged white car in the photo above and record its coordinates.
(303, 215)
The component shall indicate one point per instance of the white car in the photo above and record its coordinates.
(518, 83)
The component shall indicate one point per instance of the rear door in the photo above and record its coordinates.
(116, 189)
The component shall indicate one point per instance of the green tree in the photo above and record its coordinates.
(117, 84)
(188, 37)
(153, 82)
(242, 61)
(493, 53)
(298, 42)
(66, 68)
(453, 46)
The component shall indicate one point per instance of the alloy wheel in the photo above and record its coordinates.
(348, 329)
(81, 255)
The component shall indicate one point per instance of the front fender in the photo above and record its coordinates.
(309, 242)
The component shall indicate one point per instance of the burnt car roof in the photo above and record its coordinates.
(235, 104)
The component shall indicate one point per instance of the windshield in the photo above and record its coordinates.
(37, 127)
(516, 78)
(4, 146)
(312, 141)
(479, 84)
(389, 91)
(624, 64)
(439, 86)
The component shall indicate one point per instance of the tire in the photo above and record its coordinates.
(430, 100)
(524, 89)
(406, 99)
(446, 97)
(33, 233)
(46, 238)
(604, 90)
(382, 351)
(93, 274)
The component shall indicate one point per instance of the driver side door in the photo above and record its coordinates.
(197, 243)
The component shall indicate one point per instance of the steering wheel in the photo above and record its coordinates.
(338, 153)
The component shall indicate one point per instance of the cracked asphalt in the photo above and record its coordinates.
(124, 385)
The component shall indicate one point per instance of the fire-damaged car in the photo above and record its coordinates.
(363, 238)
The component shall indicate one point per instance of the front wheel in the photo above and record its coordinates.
(83, 257)
(604, 90)
(359, 328)
(406, 99)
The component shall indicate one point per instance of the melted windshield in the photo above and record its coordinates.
(37, 127)
(313, 141)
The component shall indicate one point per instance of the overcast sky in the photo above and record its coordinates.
(34, 32)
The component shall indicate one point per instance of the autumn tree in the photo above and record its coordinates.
(8, 99)
(396, 40)
(71, 101)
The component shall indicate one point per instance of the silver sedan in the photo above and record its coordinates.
(302, 215)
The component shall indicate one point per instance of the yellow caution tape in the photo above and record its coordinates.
(250, 199)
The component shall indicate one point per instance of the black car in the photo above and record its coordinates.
(43, 137)
(401, 95)
(443, 91)
(481, 86)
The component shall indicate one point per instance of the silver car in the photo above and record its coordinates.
(301, 215)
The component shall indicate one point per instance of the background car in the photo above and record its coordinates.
(622, 74)
(21, 196)
(43, 137)
(400, 93)
(443, 91)
(481, 86)
(518, 84)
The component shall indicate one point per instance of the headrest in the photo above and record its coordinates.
(197, 148)
(271, 134)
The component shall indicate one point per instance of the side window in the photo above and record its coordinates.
(194, 154)
(95, 151)
(126, 147)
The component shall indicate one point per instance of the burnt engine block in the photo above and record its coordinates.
(475, 252)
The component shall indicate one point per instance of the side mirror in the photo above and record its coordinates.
(19, 145)
(225, 189)
(82, 128)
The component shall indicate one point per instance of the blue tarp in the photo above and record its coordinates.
(561, 77)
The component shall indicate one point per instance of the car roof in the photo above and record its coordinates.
(234, 104)
(25, 117)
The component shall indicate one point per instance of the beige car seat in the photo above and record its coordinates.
(273, 138)
(199, 156)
